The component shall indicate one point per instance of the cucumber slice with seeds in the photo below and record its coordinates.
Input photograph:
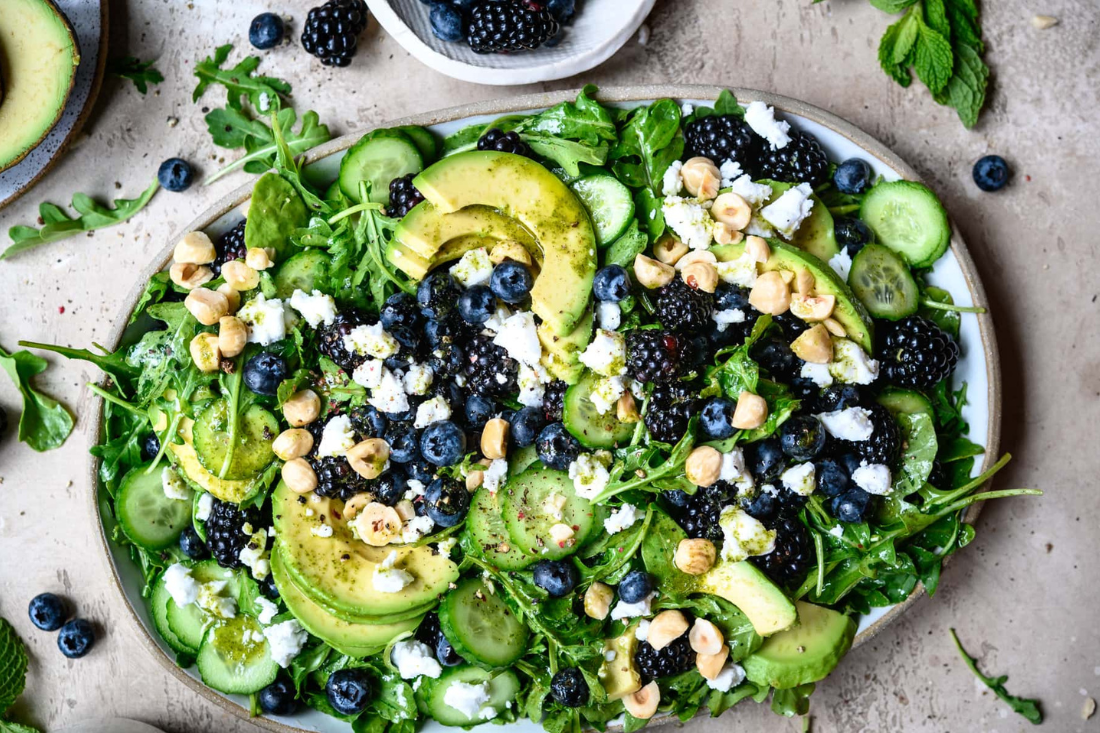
(581, 419)
(503, 688)
(908, 218)
(158, 604)
(256, 429)
(378, 158)
(189, 622)
(904, 402)
(882, 281)
(148, 518)
(530, 516)
(232, 665)
(306, 271)
(609, 203)
(487, 532)
(424, 140)
(480, 625)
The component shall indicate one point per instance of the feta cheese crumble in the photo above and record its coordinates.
(853, 423)
(606, 354)
(622, 518)
(336, 438)
(734, 471)
(841, 263)
(788, 211)
(418, 379)
(641, 631)
(753, 193)
(416, 528)
(740, 271)
(731, 676)
(369, 373)
(874, 478)
(474, 268)
(671, 182)
(285, 640)
(610, 315)
(496, 321)
(390, 579)
(268, 610)
(606, 393)
(212, 600)
(643, 607)
(851, 364)
(730, 171)
(389, 395)
(324, 531)
(173, 485)
(431, 411)
(414, 659)
(519, 336)
(761, 118)
(495, 475)
(371, 341)
(744, 536)
(817, 373)
(689, 220)
(725, 317)
(468, 698)
(265, 319)
(254, 555)
(800, 479)
(206, 505)
(589, 474)
(532, 381)
(315, 307)
(180, 585)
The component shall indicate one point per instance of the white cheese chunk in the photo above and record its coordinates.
(761, 118)
(316, 307)
(285, 640)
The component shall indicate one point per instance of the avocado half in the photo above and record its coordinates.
(38, 61)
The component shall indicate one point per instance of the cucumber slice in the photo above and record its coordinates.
(378, 158)
(488, 533)
(609, 203)
(503, 688)
(148, 518)
(908, 218)
(424, 140)
(529, 519)
(306, 271)
(882, 282)
(189, 622)
(158, 605)
(231, 665)
(256, 429)
(591, 428)
(481, 626)
(904, 402)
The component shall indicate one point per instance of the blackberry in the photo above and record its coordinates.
(917, 353)
(884, 445)
(553, 400)
(504, 142)
(670, 408)
(230, 246)
(225, 534)
(791, 325)
(721, 138)
(496, 27)
(698, 516)
(490, 372)
(654, 356)
(802, 160)
(331, 342)
(331, 32)
(774, 354)
(772, 506)
(793, 555)
(675, 658)
(337, 479)
(403, 196)
(683, 308)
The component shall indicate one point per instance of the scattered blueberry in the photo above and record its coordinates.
(443, 443)
(853, 176)
(839, 397)
(76, 638)
(390, 487)
(348, 691)
(678, 498)
(832, 477)
(526, 426)
(802, 437)
(717, 418)
(852, 234)
(446, 22)
(611, 284)
(479, 410)
(407, 337)
(400, 309)
(569, 687)
(278, 698)
(511, 281)
(635, 586)
(192, 545)
(557, 447)
(264, 372)
(150, 447)
(764, 507)
(266, 31)
(175, 174)
(445, 652)
(420, 470)
(991, 173)
(556, 577)
(47, 611)
(729, 296)
(404, 443)
(851, 506)
(446, 501)
(369, 420)
(476, 304)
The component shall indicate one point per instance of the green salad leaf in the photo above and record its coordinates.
(1027, 708)
(13, 666)
(141, 73)
(44, 423)
(264, 93)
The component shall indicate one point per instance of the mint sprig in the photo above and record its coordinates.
(141, 73)
(13, 666)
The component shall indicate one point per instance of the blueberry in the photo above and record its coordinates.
(390, 487)
(437, 295)
(403, 417)
(47, 611)
(526, 426)
(446, 501)
(278, 698)
(264, 372)
(678, 498)
(407, 337)
(348, 691)
(611, 284)
(463, 4)
(716, 418)
(763, 507)
(839, 397)
(404, 443)
(400, 309)
(175, 174)
(563, 10)
(833, 478)
(477, 304)
(369, 421)
(479, 410)
(729, 296)
(802, 437)
(76, 638)
(556, 447)
(437, 332)
(569, 687)
(765, 460)
(511, 281)
(420, 470)
(266, 31)
(446, 653)
(192, 545)
(635, 586)
(446, 22)
(991, 173)
(851, 506)
(853, 176)
(850, 462)
(150, 447)
(268, 587)
(852, 234)
(556, 577)
(443, 443)
(508, 416)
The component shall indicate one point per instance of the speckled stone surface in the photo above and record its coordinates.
(1023, 597)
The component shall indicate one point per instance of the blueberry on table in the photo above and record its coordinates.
(192, 545)
(852, 234)
(569, 687)
(278, 698)
(477, 304)
(611, 284)
(526, 426)
(264, 372)
(348, 691)
(76, 638)
(443, 443)
(635, 586)
(802, 437)
(716, 420)
(446, 501)
(175, 174)
(557, 577)
(47, 611)
(511, 281)
(446, 21)
(557, 448)
(853, 176)
(266, 31)
(991, 173)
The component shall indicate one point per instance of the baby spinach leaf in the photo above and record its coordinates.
(13, 666)
(648, 144)
(1025, 707)
(919, 439)
(658, 550)
(44, 423)
(141, 73)
(585, 120)
(569, 154)
(264, 93)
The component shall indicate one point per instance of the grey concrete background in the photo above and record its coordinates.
(1024, 596)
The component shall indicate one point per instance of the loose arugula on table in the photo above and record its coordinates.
(1023, 706)
(44, 423)
(141, 73)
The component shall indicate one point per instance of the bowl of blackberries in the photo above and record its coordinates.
(511, 41)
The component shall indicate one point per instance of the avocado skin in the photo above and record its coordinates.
(806, 652)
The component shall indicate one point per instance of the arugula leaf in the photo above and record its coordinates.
(141, 73)
(232, 128)
(158, 287)
(44, 423)
(114, 364)
(584, 120)
(57, 224)
(265, 93)
(649, 142)
(1026, 707)
(13, 666)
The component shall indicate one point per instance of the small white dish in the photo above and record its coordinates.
(600, 28)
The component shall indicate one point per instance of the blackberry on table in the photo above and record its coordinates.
(698, 513)
(497, 26)
(793, 555)
(802, 160)
(721, 138)
(917, 353)
(683, 308)
(553, 400)
(225, 534)
(331, 32)
(403, 196)
(670, 408)
(504, 142)
(884, 445)
(675, 658)
(331, 342)
(230, 246)
(489, 370)
(654, 356)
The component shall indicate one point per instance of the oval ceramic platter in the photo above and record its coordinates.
(598, 31)
(979, 366)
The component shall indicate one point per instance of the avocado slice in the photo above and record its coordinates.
(561, 354)
(416, 266)
(185, 459)
(406, 260)
(743, 584)
(427, 231)
(275, 212)
(525, 191)
(816, 235)
(337, 571)
(619, 675)
(804, 653)
(355, 640)
(849, 312)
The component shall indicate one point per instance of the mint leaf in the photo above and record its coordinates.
(892, 6)
(908, 29)
(963, 18)
(141, 73)
(932, 59)
(44, 423)
(1025, 707)
(7, 726)
(935, 15)
(966, 90)
(13, 666)
(886, 49)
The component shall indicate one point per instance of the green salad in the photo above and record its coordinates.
(582, 416)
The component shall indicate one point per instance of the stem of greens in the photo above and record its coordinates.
(973, 484)
(169, 436)
(819, 549)
(936, 305)
(368, 206)
(117, 401)
(234, 418)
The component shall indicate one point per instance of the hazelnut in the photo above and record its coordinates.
(195, 249)
(770, 294)
(626, 410)
(189, 276)
(804, 282)
(474, 479)
(703, 466)
(651, 273)
(232, 296)
(787, 275)
(378, 525)
(701, 276)
(701, 177)
(494, 438)
(562, 535)
(232, 335)
(303, 407)
(292, 443)
(669, 249)
(814, 345)
(207, 306)
(509, 249)
(758, 249)
(299, 477)
(355, 504)
(725, 234)
(750, 413)
(834, 327)
(205, 352)
(695, 556)
(597, 600)
(812, 307)
(698, 255)
(665, 628)
(259, 258)
(368, 458)
(710, 665)
(729, 208)
(643, 703)
(240, 276)
(705, 637)
(405, 509)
